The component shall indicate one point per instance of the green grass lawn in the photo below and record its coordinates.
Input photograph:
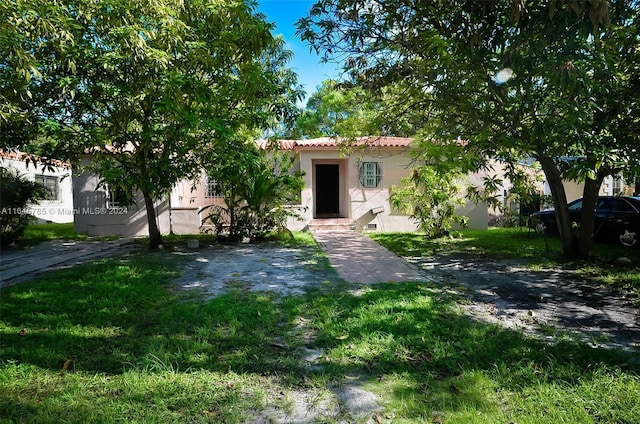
(37, 233)
(115, 341)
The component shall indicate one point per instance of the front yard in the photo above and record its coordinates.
(118, 341)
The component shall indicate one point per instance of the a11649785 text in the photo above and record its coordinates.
(57, 211)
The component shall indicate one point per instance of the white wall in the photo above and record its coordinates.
(59, 211)
(359, 202)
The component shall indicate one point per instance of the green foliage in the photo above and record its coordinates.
(30, 31)
(348, 111)
(514, 79)
(257, 187)
(430, 199)
(144, 86)
(51, 231)
(17, 194)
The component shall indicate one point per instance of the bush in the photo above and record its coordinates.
(430, 199)
(256, 195)
(16, 195)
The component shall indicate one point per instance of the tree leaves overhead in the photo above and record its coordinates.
(514, 78)
(147, 86)
(349, 111)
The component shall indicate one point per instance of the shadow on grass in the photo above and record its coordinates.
(119, 315)
(523, 246)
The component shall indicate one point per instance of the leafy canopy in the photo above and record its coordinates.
(146, 87)
(513, 78)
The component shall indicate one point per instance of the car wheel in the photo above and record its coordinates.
(628, 238)
(540, 228)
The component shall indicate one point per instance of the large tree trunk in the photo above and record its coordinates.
(155, 238)
(563, 219)
(587, 222)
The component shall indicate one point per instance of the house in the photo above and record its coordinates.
(343, 190)
(352, 189)
(612, 185)
(55, 176)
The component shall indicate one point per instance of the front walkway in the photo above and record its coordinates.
(20, 265)
(358, 259)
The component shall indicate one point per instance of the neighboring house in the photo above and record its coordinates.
(612, 185)
(56, 177)
(342, 190)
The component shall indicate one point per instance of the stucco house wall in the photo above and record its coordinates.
(333, 189)
(96, 216)
(59, 208)
(180, 213)
(573, 189)
(368, 208)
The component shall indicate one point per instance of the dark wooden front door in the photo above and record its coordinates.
(327, 191)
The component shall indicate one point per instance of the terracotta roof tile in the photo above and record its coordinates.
(333, 142)
(26, 157)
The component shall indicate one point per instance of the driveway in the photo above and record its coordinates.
(546, 303)
(20, 265)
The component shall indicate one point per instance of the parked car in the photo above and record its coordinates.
(615, 217)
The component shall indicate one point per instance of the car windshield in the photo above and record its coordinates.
(576, 206)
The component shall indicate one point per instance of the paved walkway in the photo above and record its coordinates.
(20, 265)
(358, 259)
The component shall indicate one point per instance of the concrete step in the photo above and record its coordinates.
(332, 224)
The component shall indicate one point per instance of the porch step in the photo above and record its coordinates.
(332, 224)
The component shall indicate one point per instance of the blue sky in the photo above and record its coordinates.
(285, 13)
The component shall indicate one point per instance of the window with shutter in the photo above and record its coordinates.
(370, 174)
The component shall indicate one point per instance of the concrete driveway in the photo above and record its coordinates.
(20, 265)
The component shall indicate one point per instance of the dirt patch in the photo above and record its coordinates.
(287, 271)
(548, 303)
(256, 267)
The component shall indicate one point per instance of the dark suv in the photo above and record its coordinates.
(615, 217)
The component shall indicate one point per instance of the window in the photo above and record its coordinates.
(616, 184)
(576, 206)
(50, 184)
(213, 190)
(117, 197)
(370, 174)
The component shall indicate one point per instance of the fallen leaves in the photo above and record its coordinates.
(66, 365)
(25, 331)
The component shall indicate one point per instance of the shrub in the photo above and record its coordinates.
(430, 198)
(16, 195)
(256, 195)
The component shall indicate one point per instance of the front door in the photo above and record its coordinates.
(327, 191)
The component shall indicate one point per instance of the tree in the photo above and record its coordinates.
(341, 109)
(156, 84)
(513, 78)
(32, 32)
